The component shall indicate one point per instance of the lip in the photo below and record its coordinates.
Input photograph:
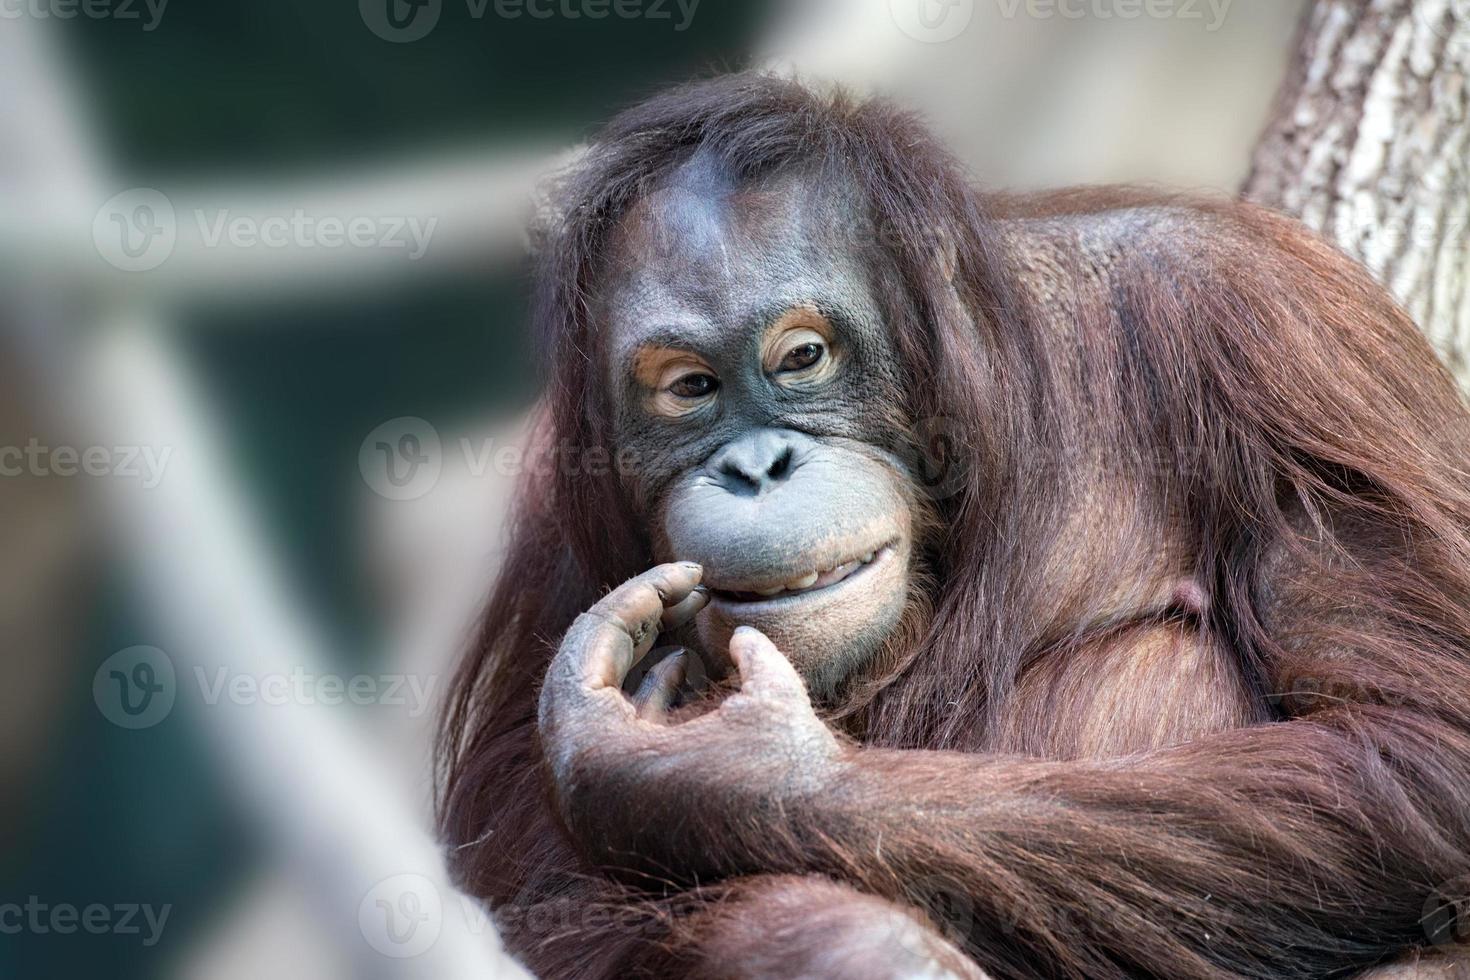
(749, 601)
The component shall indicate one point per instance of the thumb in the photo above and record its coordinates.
(764, 670)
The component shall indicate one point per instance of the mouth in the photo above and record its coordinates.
(817, 580)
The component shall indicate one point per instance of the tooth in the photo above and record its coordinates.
(770, 592)
(805, 582)
(868, 557)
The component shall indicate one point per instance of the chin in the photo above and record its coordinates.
(828, 620)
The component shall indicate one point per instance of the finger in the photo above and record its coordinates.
(764, 670)
(606, 640)
(676, 616)
(660, 686)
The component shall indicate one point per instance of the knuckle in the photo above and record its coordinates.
(562, 682)
(581, 629)
(586, 623)
(586, 627)
(640, 632)
(658, 582)
(660, 587)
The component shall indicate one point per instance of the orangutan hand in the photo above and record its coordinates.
(636, 789)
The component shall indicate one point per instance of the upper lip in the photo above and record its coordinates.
(821, 576)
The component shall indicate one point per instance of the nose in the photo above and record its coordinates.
(757, 462)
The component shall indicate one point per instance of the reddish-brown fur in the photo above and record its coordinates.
(1195, 656)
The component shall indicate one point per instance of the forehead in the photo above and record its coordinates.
(704, 260)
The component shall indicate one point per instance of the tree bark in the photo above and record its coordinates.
(1369, 144)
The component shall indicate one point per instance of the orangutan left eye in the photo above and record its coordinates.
(802, 357)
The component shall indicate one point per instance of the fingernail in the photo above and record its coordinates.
(701, 589)
(692, 566)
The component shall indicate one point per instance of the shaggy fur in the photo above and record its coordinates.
(1188, 694)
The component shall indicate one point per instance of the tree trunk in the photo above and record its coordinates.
(1369, 144)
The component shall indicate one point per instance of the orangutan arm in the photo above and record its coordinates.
(1298, 848)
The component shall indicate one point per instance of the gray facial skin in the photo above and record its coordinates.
(774, 475)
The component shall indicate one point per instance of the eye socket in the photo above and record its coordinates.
(697, 385)
(803, 356)
(677, 383)
(799, 352)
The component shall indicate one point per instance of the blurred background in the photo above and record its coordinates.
(262, 372)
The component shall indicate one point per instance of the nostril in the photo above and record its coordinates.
(781, 466)
(739, 475)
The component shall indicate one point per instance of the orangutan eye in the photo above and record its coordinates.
(677, 383)
(799, 352)
(802, 357)
(694, 386)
